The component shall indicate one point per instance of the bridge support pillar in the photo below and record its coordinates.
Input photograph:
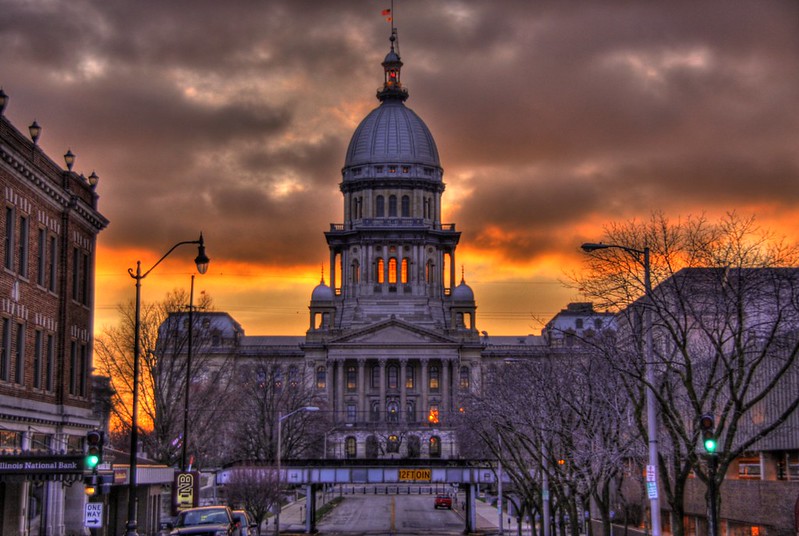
(471, 512)
(310, 509)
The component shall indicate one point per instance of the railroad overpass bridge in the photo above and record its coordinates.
(313, 474)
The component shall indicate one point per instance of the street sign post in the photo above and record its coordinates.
(93, 515)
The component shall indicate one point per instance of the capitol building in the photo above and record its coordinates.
(392, 343)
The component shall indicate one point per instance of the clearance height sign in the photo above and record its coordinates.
(415, 475)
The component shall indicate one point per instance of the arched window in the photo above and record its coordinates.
(381, 271)
(374, 415)
(380, 207)
(293, 376)
(392, 271)
(464, 377)
(414, 446)
(351, 447)
(392, 411)
(278, 378)
(321, 377)
(433, 375)
(404, 271)
(392, 206)
(352, 374)
(393, 376)
(435, 447)
(393, 443)
(406, 206)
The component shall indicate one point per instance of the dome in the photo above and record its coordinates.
(392, 134)
(463, 293)
(322, 292)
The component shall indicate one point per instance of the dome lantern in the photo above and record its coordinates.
(392, 66)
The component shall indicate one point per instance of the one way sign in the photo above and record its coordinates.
(93, 516)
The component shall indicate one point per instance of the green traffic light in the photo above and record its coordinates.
(710, 444)
(92, 460)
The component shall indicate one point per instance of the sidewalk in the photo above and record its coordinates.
(487, 518)
(292, 519)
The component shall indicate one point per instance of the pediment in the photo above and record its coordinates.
(393, 332)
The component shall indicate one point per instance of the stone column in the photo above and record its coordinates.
(445, 404)
(332, 273)
(382, 403)
(403, 389)
(340, 413)
(424, 390)
(361, 391)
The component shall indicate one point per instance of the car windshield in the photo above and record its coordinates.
(202, 517)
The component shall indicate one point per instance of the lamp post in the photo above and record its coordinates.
(183, 464)
(280, 419)
(201, 261)
(642, 257)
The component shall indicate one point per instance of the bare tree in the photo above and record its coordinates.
(269, 390)
(254, 489)
(562, 417)
(163, 374)
(725, 312)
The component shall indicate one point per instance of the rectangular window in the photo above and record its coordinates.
(409, 377)
(19, 361)
(10, 440)
(433, 383)
(42, 260)
(23, 246)
(38, 349)
(352, 382)
(40, 441)
(83, 370)
(53, 275)
(75, 273)
(5, 349)
(351, 412)
(9, 238)
(73, 366)
(84, 292)
(48, 367)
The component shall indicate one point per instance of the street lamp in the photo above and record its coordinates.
(280, 419)
(183, 465)
(642, 257)
(201, 261)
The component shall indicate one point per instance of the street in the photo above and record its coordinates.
(390, 514)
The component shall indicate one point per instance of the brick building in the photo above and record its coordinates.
(49, 227)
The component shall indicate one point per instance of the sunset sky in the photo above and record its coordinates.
(552, 119)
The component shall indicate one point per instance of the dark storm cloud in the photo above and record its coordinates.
(547, 113)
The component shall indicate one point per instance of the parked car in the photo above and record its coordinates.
(205, 521)
(246, 525)
(443, 501)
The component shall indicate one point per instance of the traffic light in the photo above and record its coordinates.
(94, 449)
(90, 485)
(707, 425)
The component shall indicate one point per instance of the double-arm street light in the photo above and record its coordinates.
(201, 261)
(280, 419)
(642, 257)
